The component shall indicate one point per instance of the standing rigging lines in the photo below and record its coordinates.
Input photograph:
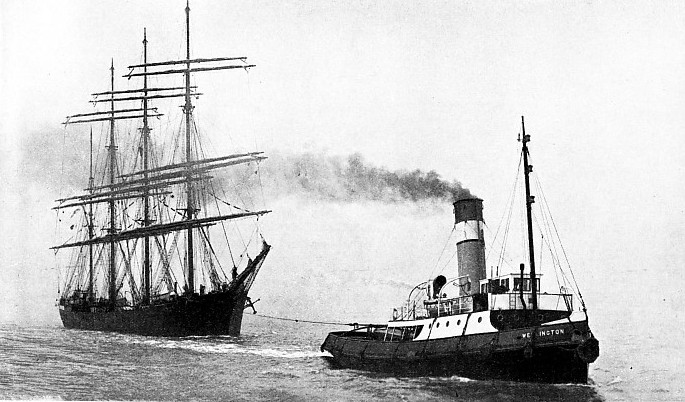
(151, 181)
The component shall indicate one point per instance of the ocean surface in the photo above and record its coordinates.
(277, 360)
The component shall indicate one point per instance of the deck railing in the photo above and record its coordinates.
(546, 301)
(416, 310)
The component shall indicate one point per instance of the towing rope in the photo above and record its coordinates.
(352, 324)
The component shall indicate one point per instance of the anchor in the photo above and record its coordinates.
(250, 304)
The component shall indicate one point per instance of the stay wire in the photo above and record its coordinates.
(447, 242)
(512, 199)
(562, 246)
(551, 244)
(509, 203)
(254, 136)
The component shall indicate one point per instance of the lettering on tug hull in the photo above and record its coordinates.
(543, 332)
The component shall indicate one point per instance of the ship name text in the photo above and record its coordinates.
(543, 332)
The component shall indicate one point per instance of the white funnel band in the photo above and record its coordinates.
(467, 230)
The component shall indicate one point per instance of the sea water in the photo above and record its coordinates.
(281, 360)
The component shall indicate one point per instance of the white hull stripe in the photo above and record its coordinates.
(450, 326)
(576, 316)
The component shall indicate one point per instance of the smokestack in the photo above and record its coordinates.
(468, 216)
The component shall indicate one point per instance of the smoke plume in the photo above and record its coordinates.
(353, 179)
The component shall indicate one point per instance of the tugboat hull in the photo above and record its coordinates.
(505, 355)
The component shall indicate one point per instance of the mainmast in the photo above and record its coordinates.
(146, 196)
(188, 110)
(112, 210)
(529, 219)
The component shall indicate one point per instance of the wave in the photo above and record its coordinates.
(615, 381)
(230, 348)
(450, 379)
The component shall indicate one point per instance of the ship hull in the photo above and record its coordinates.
(504, 355)
(211, 314)
(215, 313)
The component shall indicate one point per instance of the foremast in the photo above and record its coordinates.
(146, 196)
(191, 166)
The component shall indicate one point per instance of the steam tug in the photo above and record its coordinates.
(497, 327)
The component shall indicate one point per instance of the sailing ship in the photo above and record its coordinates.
(497, 327)
(154, 231)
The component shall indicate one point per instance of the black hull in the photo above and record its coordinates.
(504, 355)
(215, 313)
(212, 314)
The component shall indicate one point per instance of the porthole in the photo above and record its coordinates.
(541, 317)
(480, 319)
(430, 326)
(448, 324)
(437, 325)
(500, 317)
(458, 322)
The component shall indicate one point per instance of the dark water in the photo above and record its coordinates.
(273, 360)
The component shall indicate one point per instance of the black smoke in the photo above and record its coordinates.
(351, 178)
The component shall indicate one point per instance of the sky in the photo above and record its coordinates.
(431, 85)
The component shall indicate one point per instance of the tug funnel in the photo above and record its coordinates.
(468, 216)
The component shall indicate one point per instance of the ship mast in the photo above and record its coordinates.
(146, 195)
(529, 218)
(148, 181)
(91, 234)
(188, 110)
(112, 210)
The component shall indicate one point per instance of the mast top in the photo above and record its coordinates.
(526, 137)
